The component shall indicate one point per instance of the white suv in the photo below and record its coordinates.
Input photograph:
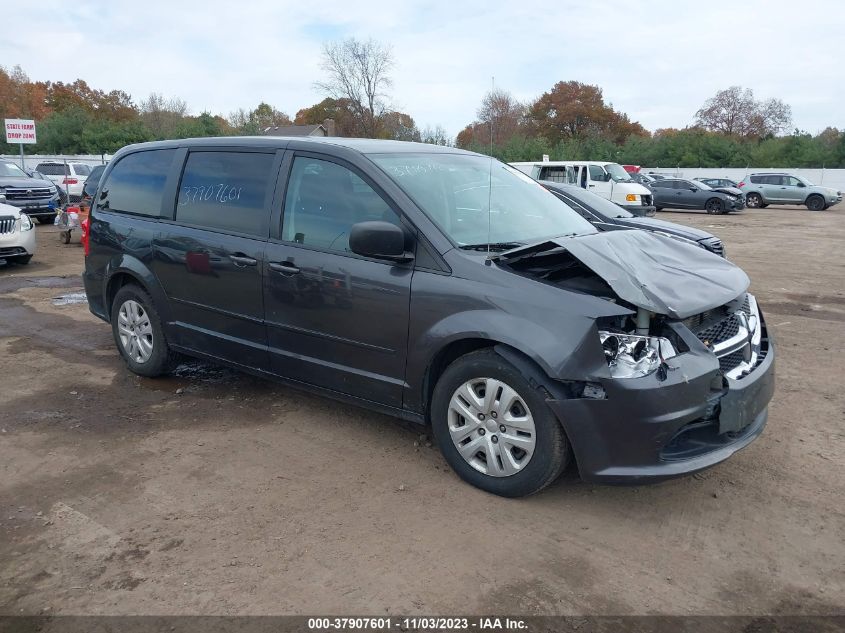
(69, 177)
(17, 237)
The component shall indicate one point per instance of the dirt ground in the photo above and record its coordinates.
(215, 492)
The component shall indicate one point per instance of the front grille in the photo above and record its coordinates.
(719, 331)
(732, 360)
(7, 224)
(35, 193)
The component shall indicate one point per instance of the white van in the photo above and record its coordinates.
(609, 180)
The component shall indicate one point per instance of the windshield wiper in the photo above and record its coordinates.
(493, 246)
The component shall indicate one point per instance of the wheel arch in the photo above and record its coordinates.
(450, 352)
(129, 270)
(444, 357)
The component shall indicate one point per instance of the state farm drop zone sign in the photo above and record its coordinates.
(20, 131)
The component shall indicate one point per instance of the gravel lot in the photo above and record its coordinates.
(214, 492)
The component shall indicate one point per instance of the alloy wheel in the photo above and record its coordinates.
(135, 331)
(492, 427)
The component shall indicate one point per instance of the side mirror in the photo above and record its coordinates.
(378, 239)
(693, 188)
(801, 184)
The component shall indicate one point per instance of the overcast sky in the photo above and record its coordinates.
(657, 61)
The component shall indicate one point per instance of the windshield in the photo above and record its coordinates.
(454, 191)
(596, 203)
(10, 170)
(617, 172)
(805, 181)
(701, 185)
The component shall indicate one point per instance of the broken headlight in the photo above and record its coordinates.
(632, 356)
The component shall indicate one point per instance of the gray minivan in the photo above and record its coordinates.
(439, 286)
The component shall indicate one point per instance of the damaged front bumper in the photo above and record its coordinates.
(648, 428)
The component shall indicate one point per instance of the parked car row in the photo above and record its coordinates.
(608, 180)
(27, 194)
(33, 195)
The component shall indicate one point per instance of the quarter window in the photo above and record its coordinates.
(136, 183)
(324, 200)
(226, 191)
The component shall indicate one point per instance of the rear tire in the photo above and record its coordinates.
(815, 203)
(527, 456)
(753, 201)
(138, 334)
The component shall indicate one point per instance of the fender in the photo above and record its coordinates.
(130, 265)
(567, 352)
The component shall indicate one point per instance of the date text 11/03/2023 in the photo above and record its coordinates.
(419, 623)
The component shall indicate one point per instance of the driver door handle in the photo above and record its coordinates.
(239, 259)
(285, 268)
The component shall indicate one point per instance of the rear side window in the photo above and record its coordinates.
(227, 191)
(553, 174)
(136, 184)
(51, 169)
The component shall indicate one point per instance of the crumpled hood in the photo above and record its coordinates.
(658, 273)
(733, 191)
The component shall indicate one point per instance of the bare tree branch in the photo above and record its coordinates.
(358, 72)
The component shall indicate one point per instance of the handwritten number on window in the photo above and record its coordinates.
(220, 193)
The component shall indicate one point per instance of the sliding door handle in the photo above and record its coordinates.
(241, 260)
(285, 268)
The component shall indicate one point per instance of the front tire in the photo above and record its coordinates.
(495, 429)
(815, 203)
(138, 334)
(714, 205)
(753, 201)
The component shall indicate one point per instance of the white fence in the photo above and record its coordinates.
(834, 178)
(31, 160)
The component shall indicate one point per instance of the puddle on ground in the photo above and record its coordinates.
(70, 299)
(203, 372)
